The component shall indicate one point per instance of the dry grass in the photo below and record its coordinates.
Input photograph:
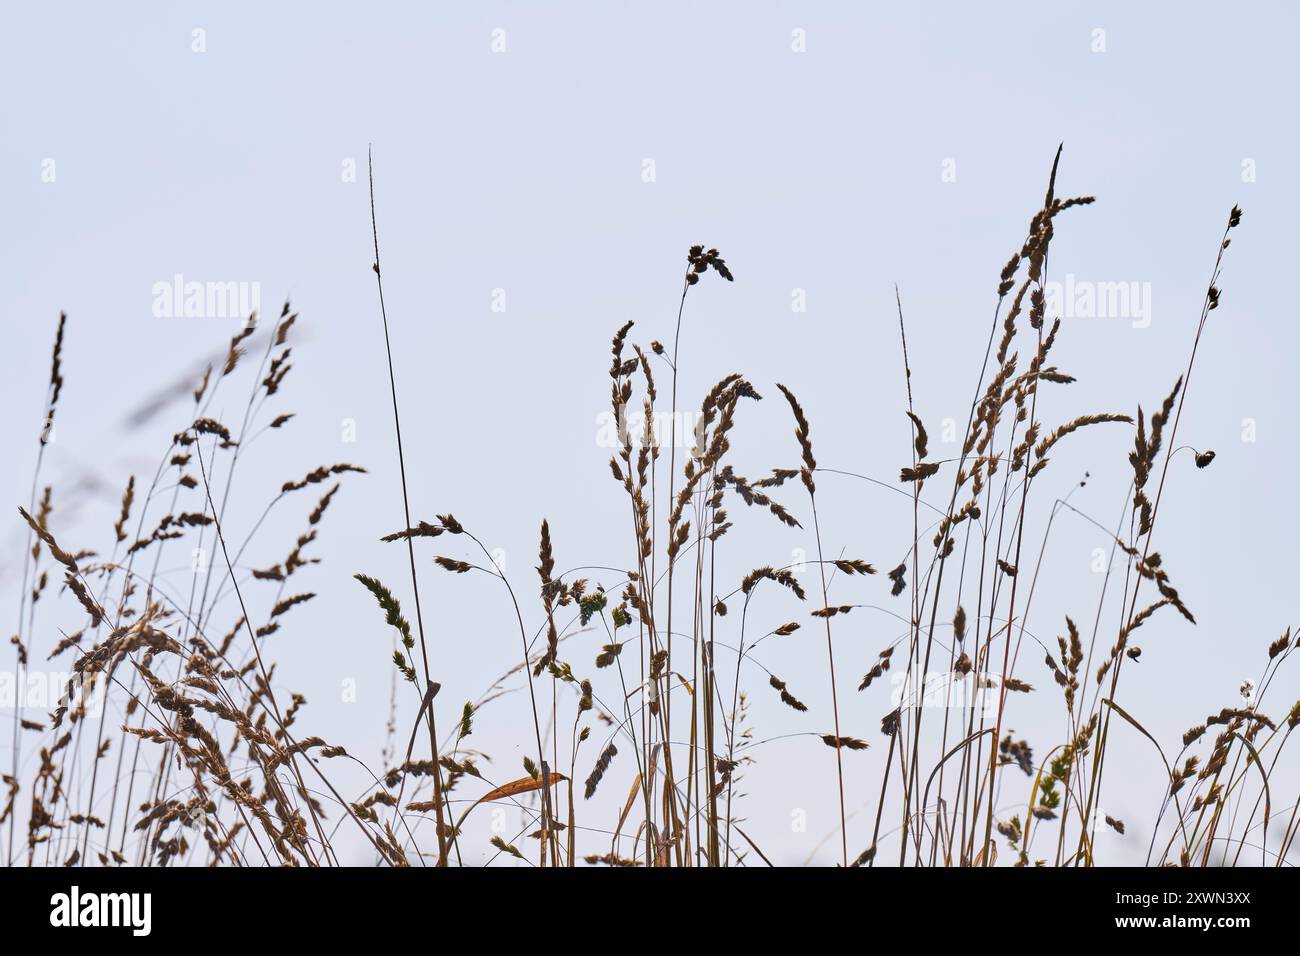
(208, 767)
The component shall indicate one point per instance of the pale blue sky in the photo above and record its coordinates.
(522, 171)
